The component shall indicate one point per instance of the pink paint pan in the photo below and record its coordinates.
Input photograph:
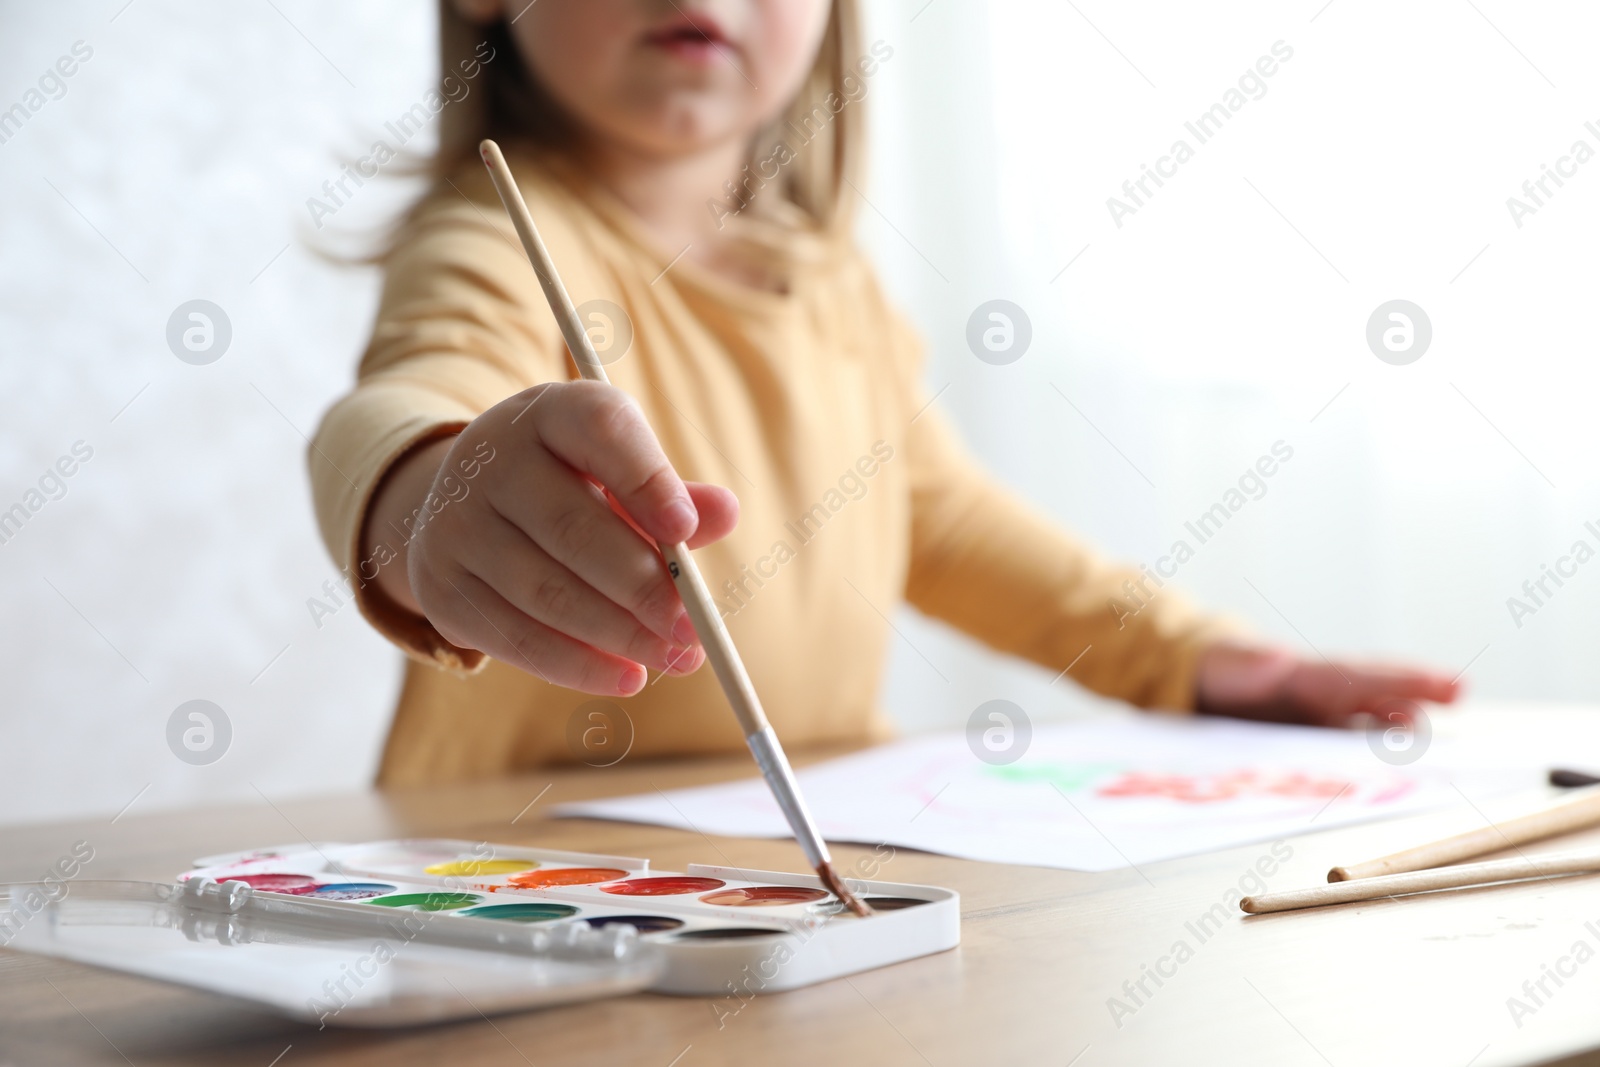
(297, 884)
(662, 887)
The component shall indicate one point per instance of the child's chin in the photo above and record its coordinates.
(688, 121)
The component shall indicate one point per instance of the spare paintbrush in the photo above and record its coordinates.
(686, 577)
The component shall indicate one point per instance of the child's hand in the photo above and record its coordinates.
(1256, 682)
(531, 563)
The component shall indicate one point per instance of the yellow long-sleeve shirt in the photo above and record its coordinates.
(854, 494)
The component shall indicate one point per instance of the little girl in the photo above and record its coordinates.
(692, 166)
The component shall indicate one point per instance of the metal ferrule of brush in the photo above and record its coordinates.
(775, 768)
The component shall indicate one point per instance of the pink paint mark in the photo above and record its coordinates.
(1210, 788)
(1393, 793)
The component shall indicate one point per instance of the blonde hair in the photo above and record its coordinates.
(509, 105)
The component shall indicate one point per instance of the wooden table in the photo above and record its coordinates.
(1414, 982)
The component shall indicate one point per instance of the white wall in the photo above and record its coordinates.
(1193, 337)
(183, 552)
(1206, 328)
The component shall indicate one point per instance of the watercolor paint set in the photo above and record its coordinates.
(392, 933)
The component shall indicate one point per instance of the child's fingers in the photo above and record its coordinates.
(547, 592)
(473, 615)
(1337, 692)
(1271, 684)
(1355, 688)
(565, 515)
(718, 509)
(601, 432)
(1404, 683)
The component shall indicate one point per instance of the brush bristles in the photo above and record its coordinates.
(836, 886)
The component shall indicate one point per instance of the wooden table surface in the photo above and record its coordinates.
(1415, 982)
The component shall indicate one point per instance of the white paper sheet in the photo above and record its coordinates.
(1097, 794)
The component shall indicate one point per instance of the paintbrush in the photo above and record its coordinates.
(725, 661)
(1492, 872)
(1581, 812)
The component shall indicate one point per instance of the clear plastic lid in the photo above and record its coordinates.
(325, 962)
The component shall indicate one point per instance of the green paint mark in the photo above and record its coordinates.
(1068, 777)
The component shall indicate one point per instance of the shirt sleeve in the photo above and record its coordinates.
(986, 562)
(455, 335)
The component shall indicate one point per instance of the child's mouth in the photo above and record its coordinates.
(694, 38)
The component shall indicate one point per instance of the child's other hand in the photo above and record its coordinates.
(1258, 682)
(531, 563)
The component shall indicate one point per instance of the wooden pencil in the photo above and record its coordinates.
(1577, 813)
(1518, 869)
(714, 636)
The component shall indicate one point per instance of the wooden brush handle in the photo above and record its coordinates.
(1578, 813)
(1389, 885)
(715, 639)
(577, 338)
